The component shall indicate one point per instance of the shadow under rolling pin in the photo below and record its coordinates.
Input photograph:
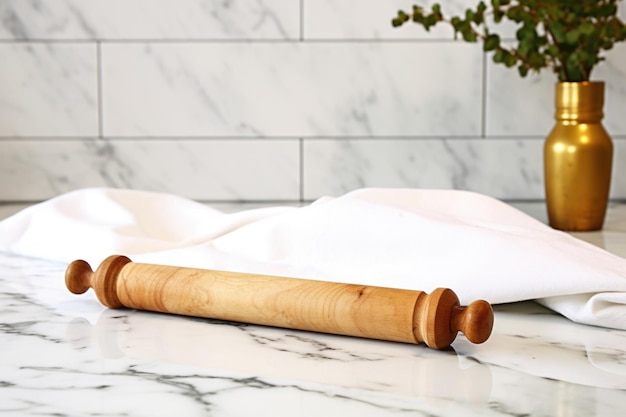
(346, 309)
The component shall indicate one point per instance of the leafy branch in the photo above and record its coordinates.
(567, 36)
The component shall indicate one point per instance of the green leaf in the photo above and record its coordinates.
(479, 16)
(525, 47)
(523, 70)
(572, 36)
(607, 10)
(469, 36)
(558, 30)
(510, 60)
(536, 60)
(526, 32)
(515, 13)
(498, 56)
(587, 28)
(491, 42)
(400, 19)
(498, 15)
(418, 18)
(436, 9)
(552, 51)
(456, 23)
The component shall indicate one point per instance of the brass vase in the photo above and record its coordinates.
(578, 156)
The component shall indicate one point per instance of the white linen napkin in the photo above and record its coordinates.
(405, 238)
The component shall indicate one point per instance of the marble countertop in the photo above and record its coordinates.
(66, 355)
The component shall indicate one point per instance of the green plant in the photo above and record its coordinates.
(567, 36)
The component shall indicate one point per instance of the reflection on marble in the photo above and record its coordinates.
(291, 89)
(48, 89)
(613, 235)
(142, 19)
(67, 355)
(204, 170)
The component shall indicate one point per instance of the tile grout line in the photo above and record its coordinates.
(483, 119)
(301, 20)
(300, 38)
(301, 173)
(530, 137)
(99, 90)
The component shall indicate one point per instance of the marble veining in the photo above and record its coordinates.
(106, 79)
(67, 355)
(225, 169)
(503, 168)
(141, 19)
(294, 90)
(61, 101)
(531, 112)
(328, 19)
(334, 167)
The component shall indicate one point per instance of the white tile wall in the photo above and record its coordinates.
(298, 89)
(149, 19)
(234, 170)
(477, 164)
(268, 100)
(525, 106)
(48, 89)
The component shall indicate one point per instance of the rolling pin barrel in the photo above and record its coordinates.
(327, 307)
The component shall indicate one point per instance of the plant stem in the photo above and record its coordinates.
(563, 64)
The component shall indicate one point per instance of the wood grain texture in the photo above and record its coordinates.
(346, 309)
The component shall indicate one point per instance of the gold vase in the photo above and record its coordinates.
(578, 155)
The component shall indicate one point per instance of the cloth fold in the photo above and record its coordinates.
(416, 239)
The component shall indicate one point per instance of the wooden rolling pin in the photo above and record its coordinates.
(327, 307)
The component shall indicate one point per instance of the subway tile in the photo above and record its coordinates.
(613, 72)
(371, 19)
(525, 106)
(149, 19)
(48, 89)
(510, 169)
(291, 89)
(232, 170)
(500, 168)
(618, 183)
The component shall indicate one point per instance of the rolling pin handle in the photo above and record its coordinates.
(475, 321)
(441, 317)
(79, 277)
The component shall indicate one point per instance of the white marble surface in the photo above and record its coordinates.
(67, 355)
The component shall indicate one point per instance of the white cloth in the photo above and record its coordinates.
(406, 238)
